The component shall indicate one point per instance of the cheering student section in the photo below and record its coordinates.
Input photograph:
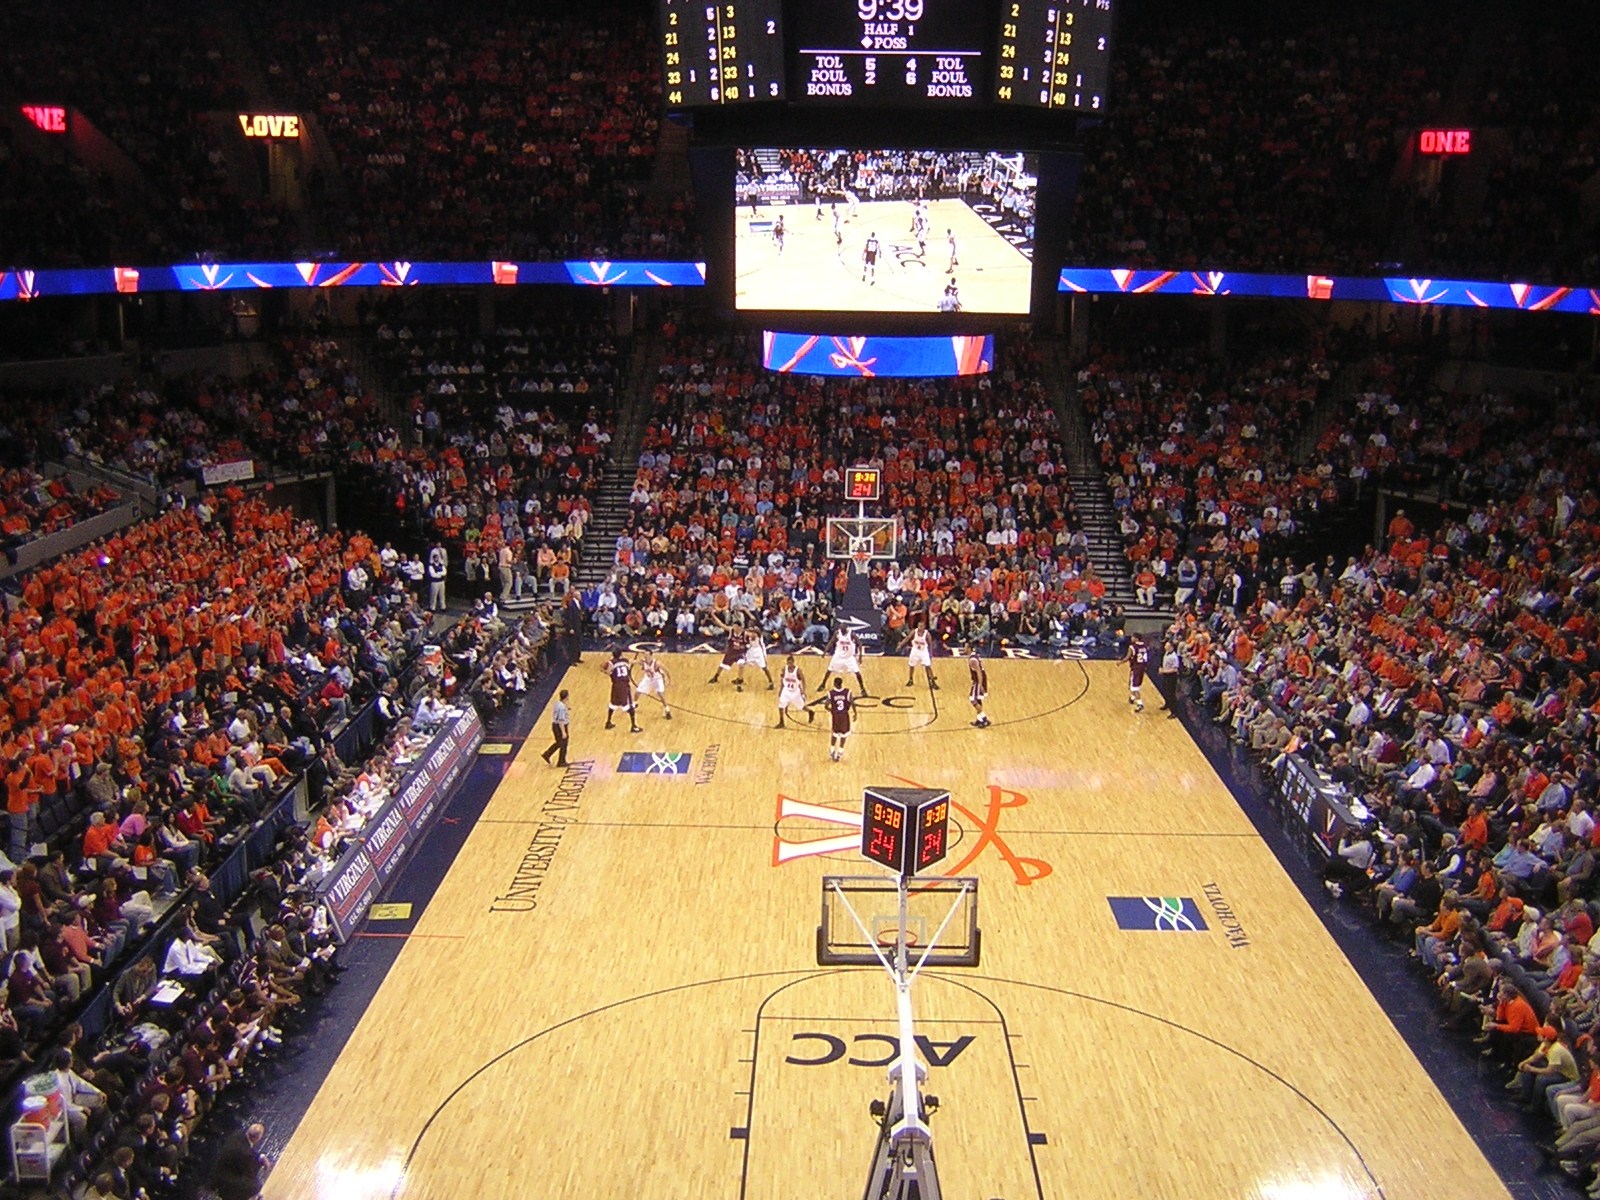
(893, 230)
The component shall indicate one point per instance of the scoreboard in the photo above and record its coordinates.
(730, 52)
(909, 53)
(933, 55)
(1054, 54)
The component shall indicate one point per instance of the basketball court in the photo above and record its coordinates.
(814, 271)
(615, 992)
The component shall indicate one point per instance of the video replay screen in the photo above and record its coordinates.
(884, 231)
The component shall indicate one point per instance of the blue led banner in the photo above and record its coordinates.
(819, 354)
(217, 277)
(1460, 293)
(22, 284)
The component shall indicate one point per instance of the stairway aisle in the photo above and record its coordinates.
(611, 500)
(1090, 495)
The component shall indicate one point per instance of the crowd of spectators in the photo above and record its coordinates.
(1244, 136)
(33, 504)
(151, 716)
(1200, 458)
(740, 469)
(1534, 111)
(1445, 681)
(146, 75)
(479, 132)
(510, 434)
(1251, 137)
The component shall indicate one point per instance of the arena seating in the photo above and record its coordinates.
(1443, 679)
(509, 437)
(1199, 456)
(508, 135)
(729, 492)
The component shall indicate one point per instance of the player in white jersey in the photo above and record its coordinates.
(653, 681)
(950, 234)
(755, 655)
(921, 656)
(980, 688)
(793, 692)
(846, 658)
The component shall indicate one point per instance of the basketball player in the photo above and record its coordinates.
(921, 656)
(846, 658)
(1138, 660)
(755, 655)
(793, 692)
(980, 688)
(869, 260)
(733, 655)
(838, 229)
(854, 202)
(954, 262)
(841, 707)
(621, 672)
(653, 681)
(777, 234)
(951, 300)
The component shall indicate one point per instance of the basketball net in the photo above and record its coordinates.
(861, 554)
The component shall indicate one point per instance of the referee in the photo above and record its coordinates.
(560, 726)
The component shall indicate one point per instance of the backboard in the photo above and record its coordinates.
(941, 911)
(849, 536)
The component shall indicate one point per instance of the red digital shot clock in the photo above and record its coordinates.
(863, 483)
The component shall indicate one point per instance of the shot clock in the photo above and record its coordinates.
(905, 829)
(863, 484)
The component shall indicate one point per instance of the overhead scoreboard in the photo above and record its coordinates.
(903, 53)
(1053, 55)
(717, 54)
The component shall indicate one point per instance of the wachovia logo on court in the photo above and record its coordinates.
(654, 762)
(1164, 914)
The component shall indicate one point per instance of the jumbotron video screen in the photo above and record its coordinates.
(884, 231)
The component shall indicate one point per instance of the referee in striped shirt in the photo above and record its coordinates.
(560, 726)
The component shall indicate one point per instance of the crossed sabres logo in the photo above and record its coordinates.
(1024, 871)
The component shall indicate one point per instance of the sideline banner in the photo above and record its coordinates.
(369, 862)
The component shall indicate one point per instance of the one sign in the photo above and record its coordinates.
(905, 829)
(51, 118)
(269, 125)
(1444, 141)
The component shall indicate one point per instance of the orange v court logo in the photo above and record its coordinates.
(1024, 871)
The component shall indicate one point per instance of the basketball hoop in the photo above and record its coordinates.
(860, 554)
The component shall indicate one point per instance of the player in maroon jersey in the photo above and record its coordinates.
(979, 691)
(841, 707)
(1138, 660)
(733, 656)
(621, 672)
